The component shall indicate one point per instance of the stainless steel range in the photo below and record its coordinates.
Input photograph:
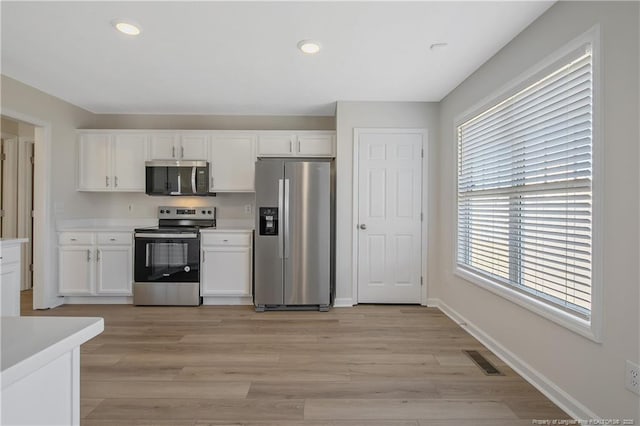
(167, 257)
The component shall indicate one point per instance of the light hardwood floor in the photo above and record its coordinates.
(367, 365)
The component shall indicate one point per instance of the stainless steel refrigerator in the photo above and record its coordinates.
(294, 234)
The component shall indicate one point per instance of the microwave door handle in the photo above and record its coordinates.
(193, 180)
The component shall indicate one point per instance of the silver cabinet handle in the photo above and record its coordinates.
(363, 226)
(173, 152)
(203, 256)
(291, 146)
(298, 146)
(74, 239)
(98, 255)
(115, 180)
(106, 178)
(88, 255)
(225, 241)
(182, 152)
(211, 181)
(112, 239)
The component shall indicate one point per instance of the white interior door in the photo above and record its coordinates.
(389, 217)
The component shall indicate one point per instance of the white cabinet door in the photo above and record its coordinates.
(163, 146)
(194, 147)
(114, 273)
(129, 155)
(319, 145)
(10, 289)
(226, 271)
(232, 163)
(75, 270)
(275, 144)
(94, 153)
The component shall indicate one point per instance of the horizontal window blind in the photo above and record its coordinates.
(524, 189)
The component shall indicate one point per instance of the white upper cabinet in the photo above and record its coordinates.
(111, 161)
(276, 144)
(194, 146)
(94, 162)
(179, 146)
(162, 146)
(316, 145)
(232, 162)
(130, 153)
(299, 144)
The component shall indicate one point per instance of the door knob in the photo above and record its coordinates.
(363, 226)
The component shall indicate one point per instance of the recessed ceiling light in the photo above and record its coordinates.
(127, 27)
(438, 46)
(309, 47)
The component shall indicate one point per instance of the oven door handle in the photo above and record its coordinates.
(166, 236)
(146, 263)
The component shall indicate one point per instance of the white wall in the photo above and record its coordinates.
(585, 377)
(351, 115)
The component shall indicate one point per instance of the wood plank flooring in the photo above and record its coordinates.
(368, 365)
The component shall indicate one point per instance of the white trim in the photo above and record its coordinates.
(98, 300)
(227, 300)
(592, 331)
(424, 225)
(44, 290)
(551, 390)
(343, 302)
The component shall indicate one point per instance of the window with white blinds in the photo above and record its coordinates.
(524, 189)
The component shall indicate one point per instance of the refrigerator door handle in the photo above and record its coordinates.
(280, 209)
(286, 218)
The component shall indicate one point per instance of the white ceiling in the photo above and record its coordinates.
(241, 57)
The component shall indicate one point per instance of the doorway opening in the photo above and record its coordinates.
(16, 195)
(39, 252)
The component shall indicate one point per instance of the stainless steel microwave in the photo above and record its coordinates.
(177, 178)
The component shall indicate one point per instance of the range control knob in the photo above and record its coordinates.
(209, 212)
(161, 211)
(203, 212)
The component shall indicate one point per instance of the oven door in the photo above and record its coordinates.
(167, 257)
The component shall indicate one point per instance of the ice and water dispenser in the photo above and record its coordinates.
(268, 220)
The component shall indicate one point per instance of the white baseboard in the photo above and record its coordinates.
(562, 399)
(227, 300)
(98, 300)
(344, 302)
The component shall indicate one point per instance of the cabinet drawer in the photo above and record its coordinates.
(220, 239)
(75, 238)
(114, 238)
(10, 254)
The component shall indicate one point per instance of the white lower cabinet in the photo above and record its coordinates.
(114, 270)
(10, 275)
(75, 270)
(95, 263)
(226, 268)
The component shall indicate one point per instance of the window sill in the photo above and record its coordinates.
(560, 317)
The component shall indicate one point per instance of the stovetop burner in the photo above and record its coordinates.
(182, 220)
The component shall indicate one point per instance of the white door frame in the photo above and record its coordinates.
(424, 229)
(44, 284)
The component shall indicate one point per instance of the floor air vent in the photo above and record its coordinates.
(487, 368)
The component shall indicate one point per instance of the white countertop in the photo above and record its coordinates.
(29, 343)
(6, 242)
(125, 225)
